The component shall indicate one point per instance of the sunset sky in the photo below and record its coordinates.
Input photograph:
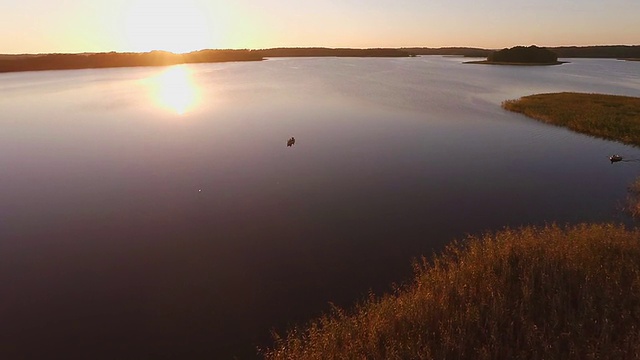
(42, 26)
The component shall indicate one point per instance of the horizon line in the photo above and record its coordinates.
(309, 47)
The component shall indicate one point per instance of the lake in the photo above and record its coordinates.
(158, 213)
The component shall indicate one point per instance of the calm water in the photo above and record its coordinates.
(156, 212)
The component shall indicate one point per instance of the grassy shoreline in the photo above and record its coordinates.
(633, 199)
(487, 62)
(550, 293)
(609, 117)
(536, 292)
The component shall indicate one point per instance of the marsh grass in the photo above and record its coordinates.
(633, 199)
(487, 62)
(540, 293)
(606, 116)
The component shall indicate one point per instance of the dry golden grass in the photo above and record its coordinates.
(633, 200)
(606, 116)
(487, 62)
(534, 293)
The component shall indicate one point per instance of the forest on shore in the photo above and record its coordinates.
(38, 62)
(604, 51)
(12, 63)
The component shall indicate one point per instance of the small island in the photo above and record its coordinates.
(520, 55)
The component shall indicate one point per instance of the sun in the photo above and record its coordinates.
(178, 26)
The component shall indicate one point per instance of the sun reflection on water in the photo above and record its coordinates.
(175, 90)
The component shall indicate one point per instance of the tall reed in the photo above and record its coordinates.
(536, 293)
(606, 116)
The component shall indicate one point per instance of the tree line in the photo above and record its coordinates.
(521, 54)
(114, 59)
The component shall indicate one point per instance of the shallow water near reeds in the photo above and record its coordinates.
(157, 212)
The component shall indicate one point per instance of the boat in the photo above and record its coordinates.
(291, 141)
(615, 158)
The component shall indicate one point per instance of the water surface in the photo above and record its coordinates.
(157, 212)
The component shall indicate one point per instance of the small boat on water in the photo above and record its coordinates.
(615, 158)
(291, 141)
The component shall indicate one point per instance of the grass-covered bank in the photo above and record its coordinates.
(512, 63)
(607, 116)
(531, 293)
(633, 201)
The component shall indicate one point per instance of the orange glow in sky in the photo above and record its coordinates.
(39, 26)
(178, 26)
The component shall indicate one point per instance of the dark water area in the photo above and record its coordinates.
(159, 213)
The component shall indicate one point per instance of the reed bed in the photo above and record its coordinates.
(531, 293)
(606, 116)
(633, 200)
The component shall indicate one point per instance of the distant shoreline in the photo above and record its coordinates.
(487, 62)
(48, 62)
(43, 62)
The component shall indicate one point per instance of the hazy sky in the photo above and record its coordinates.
(36, 26)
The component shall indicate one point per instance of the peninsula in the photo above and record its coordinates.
(609, 117)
